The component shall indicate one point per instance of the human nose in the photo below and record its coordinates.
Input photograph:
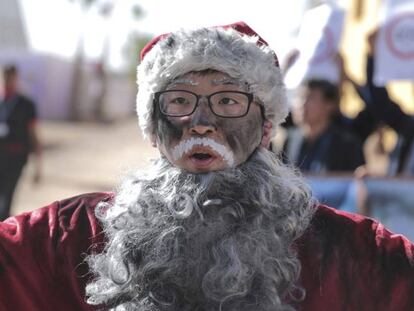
(203, 120)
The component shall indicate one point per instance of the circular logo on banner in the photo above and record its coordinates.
(325, 48)
(399, 35)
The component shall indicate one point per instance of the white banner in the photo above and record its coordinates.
(317, 43)
(390, 7)
(394, 50)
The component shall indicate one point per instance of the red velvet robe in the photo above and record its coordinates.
(349, 262)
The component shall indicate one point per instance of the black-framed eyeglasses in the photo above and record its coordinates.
(225, 104)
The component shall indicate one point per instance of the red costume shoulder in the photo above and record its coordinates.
(351, 262)
(42, 254)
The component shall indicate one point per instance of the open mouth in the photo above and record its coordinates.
(203, 152)
(201, 156)
(202, 159)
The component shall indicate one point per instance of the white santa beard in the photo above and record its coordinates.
(186, 145)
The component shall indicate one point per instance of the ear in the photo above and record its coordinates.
(267, 134)
(153, 140)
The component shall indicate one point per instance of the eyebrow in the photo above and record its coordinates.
(227, 81)
(182, 81)
(215, 82)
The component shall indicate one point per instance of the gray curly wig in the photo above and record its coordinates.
(217, 241)
(240, 53)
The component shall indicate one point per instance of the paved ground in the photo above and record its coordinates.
(82, 157)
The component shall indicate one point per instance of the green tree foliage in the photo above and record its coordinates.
(136, 43)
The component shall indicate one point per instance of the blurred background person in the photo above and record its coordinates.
(18, 137)
(363, 124)
(317, 144)
(401, 159)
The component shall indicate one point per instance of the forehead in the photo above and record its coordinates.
(306, 92)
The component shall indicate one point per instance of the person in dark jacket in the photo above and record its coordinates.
(18, 138)
(387, 111)
(318, 144)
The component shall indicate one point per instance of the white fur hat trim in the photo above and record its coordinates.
(226, 50)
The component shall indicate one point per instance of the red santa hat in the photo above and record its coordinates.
(235, 49)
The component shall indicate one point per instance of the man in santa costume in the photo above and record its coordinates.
(218, 223)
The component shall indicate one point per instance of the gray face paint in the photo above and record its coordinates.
(166, 131)
(243, 135)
